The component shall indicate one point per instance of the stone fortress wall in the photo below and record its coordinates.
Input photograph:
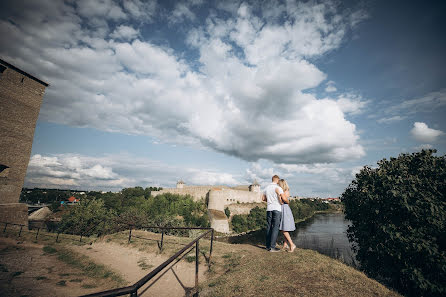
(20, 98)
(219, 198)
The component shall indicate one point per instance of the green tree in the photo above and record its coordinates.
(398, 222)
(88, 218)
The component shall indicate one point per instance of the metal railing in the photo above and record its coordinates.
(179, 255)
(56, 234)
(133, 289)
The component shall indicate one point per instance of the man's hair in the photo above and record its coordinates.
(275, 177)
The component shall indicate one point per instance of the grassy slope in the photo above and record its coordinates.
(246, 270)
(302, 273)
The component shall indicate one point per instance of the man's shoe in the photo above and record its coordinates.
(274, 250)
(268, 249)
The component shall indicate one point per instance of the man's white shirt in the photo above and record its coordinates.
(272, 201)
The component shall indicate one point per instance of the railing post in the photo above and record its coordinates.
(20, 232)
(162, 240)
(197, 249)
(130, 233)
(210, 250)
(6, 225)
(57, 237)
(37, 234)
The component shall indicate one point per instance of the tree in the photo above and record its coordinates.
(88, 218)
(398, 222)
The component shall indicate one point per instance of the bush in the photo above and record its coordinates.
(227, 212)
(398, 216)
(240, 223)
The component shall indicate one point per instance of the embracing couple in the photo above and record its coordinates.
(278, 214)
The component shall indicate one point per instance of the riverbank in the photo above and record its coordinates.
(224, 237)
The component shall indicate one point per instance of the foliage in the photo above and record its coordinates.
(88, 218)
(239, 223)
(398, 215)
(111, 212)
(227, 212)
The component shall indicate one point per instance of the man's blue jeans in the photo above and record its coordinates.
(272, 227)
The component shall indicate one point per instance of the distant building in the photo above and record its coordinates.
(218, 198)
(20, 97)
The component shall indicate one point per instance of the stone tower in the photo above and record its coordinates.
(20, 98)
(180, 184)
(255, 187)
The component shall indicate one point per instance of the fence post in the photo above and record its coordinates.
(37, 234)
(6, 225)
(162, 240)
(197, 249)
(210, 250)
(57, 237)
(20, 232)
(130, 233)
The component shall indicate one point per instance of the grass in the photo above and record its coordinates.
(89, 286)
(62, 283)
(49, 250)
(85, 264)
(143, 264)
(41, 277)
(302, 273)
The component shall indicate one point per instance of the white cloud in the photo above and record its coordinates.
(423, 147)
(351, 104)
(427, 103)
(247, 99)
(422, 133)
(392, 119)
(125, 33)
(330, 87)
(315, 180)
(114, 172)
(183, 11)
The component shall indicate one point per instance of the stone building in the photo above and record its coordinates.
(20, 98)
(218, 198)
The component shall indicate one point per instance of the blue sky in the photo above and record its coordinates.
(225, 92)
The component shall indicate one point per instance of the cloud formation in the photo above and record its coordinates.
(246, 95)
(422, 133)
(114, 172)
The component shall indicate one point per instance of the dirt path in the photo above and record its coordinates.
(25, 270)
(133, 264)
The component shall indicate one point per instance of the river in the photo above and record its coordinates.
(323, 232)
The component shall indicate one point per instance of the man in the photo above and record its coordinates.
(272, 195)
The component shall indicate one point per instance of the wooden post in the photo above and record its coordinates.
(20, 232)
(37, 234)
(162, 240)
(197, 249)
(210, 250)
(130, 233)
(57, 237)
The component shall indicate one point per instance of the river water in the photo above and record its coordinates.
(324, 232)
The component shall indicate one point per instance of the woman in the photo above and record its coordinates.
(287, 223)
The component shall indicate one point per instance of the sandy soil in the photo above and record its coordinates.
(25, 270)
(133, 264)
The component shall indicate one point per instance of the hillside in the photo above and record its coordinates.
(237, 269)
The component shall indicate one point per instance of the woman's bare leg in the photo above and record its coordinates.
(285, 243)
(288, 239)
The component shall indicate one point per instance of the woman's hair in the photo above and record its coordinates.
(283, 184)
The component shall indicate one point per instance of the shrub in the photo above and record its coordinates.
(398, 228)
(227, 212)
(240, 223)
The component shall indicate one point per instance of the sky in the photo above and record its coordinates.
(144, 93)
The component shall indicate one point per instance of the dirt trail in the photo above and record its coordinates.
(133, 264)
(25, 270)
